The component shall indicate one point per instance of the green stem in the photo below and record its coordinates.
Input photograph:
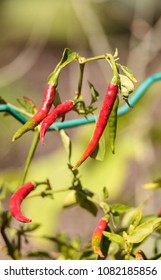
(31, 154)
(10, 247)
(50, 192)
(83, 60)
(115, 78)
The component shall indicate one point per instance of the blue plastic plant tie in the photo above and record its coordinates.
(124, 109)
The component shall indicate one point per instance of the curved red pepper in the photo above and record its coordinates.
(16, 200)
(104, 114)
(57, 112)
(97, 236)
(42, 112)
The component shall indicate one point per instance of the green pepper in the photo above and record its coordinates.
(113, 124)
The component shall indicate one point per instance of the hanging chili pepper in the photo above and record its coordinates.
(16, 200)
(98, 235)
(104, 114)
(113, 124)
(57, 112)
(140, 255)
(67, 57)
(42, 112)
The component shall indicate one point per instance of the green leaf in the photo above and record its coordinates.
(67, 57)
(148, 217)
(128, 73)
(116, 220)
(67, 143)
(99, 152)
(156, 184)
(137, 218)
(105, 193)
(84, 202)
(94, 93)
(144, 230)
(120, 208)
(113, 237)
(116, 53)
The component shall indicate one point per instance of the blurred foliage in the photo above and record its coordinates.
(33, 34)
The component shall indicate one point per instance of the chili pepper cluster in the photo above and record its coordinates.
(44, 118)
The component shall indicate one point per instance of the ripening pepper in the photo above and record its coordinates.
(42, 112)
(97, 236)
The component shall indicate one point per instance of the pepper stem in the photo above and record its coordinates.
(115, 77)
(30, 154)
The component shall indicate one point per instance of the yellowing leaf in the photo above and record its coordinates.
(67, 143)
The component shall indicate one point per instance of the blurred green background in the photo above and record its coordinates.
(33, 35)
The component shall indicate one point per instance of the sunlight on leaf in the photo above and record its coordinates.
(144, 230)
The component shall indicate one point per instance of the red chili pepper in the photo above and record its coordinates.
(57, 112)
(16, 200)
(97, 236)
(104, 114)
(42, 112)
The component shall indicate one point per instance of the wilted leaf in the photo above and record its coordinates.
(144, 230)
(113, 237)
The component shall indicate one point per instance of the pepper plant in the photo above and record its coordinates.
(122, 229)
